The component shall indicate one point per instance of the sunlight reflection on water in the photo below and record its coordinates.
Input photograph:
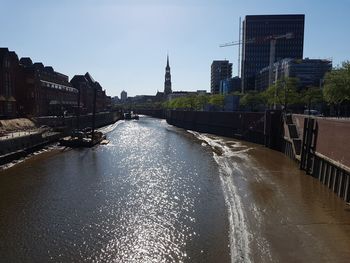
(151, 195)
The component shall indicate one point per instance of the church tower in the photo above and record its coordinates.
(167, 82)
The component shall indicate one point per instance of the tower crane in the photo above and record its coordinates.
(273, 39)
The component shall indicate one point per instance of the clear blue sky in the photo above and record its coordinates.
(123, 43)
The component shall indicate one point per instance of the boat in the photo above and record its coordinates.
(87, 137)
(83, 139)
(130, 116)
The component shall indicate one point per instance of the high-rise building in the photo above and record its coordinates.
(123, 96)
(258, 30)
(220, 70)
(167, 82)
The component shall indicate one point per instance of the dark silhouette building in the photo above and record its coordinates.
(257, 32)
(32, 89)
(44, 91)
(167, 82)
(86, 86)
(123, 96)
(220, 70)
(9, 83)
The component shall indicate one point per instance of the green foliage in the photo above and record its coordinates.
(337, 85)
(283, 92)
(189, 102)
(200, 101)
(253, 100)
(237, 93)
(311, 96)
(217, 100)
(194, 102)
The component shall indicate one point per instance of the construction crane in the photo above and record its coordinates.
(273, 41)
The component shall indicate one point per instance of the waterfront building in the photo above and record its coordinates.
(309, 72)
(115, 100)
(9, 77)
(167, 82)
(181, 94)
(101, 98)
(86, 85)
(123, 96)
(44, 91)
(257, 33)
(230, 85)
(32, 89)
(220, 70)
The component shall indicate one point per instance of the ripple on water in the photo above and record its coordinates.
(146, 197)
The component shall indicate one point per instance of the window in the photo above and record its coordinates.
(7, 84)
(9, 107)
(7, 63)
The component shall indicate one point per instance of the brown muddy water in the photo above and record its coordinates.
(157, 193)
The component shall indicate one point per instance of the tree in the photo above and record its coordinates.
(200, 101)
(283, 93)
(311, 96)
(252, 100)
(337, 85)
(217, 100)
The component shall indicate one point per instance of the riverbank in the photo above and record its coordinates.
(277, 213)
(152, 194)
(21, 137)
(161, 193)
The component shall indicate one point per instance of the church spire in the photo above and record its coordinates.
(167, 82)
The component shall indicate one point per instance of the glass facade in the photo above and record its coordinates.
(257, 32)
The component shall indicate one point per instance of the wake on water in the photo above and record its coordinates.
(239, 232)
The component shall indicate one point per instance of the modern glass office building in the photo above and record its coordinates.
(258, 30)
(308, 72)
(220, 70)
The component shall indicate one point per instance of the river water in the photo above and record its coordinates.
(157, 193)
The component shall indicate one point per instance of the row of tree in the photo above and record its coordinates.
(335, 92)
(282, 94)
(195, 102)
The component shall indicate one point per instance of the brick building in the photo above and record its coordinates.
(44, 91)
(32, 89)
(86, 85)
(9, 82)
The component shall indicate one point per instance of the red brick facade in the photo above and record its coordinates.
(9, 77)
(28, 89)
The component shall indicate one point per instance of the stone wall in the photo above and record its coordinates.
(333, 139)
(66, 124)
(247, 126)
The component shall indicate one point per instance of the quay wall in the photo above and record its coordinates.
(18, 147)
(325, 151)
(12, 148)
(156, 113)
(332, 139)
(321, 148)
(257, 127)
(69, 123)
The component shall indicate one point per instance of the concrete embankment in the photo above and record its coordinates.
(319, 145)
(258, 127)
(18, 147)
(21, 137)
(66, 124)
